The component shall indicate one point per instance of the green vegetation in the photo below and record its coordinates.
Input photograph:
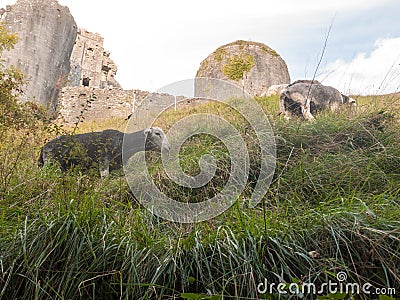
(236, 66)
(333, 206)
(220, 54)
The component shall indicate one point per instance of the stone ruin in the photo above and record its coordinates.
(47, 33)
(252, 66)
(92, 91)
(91, 65)
(89, 103)
(71, 73)
(68, 70)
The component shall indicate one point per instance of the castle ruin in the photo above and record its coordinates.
(253, 66)
(92, 91)
(47, 33)
(69, 71)
(91, 65)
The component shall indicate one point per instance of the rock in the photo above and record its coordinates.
(47, 33)
(253, 66)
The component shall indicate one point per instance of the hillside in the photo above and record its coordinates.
(332, 207)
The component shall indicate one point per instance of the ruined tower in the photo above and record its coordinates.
(250, 65)
(47, 33)
(91, 65)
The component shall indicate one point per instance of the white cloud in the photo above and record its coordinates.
(374, 73)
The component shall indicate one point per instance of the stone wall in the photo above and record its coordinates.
(92, 91)
(47, 33)
(68, 68)
(89, 103)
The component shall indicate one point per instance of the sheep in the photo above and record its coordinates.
(306, 98)
(100, 149)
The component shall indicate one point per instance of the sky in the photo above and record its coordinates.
(351, 45)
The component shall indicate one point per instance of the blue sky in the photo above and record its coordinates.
(156, 43)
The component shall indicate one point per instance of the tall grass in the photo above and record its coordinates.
(333, 206)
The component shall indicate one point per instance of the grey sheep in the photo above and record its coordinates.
(100, 149)
(305, 98)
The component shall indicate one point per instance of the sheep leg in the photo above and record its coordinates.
(104, 168)
(305, 110)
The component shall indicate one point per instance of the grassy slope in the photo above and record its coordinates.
(335, 194)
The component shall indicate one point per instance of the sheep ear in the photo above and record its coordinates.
(148, 131)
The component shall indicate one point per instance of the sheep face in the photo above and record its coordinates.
(352, 101)
(348, 100)
(156, 140)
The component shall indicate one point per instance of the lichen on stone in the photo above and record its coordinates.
(237, 65)
(270, 51)
(220, 54)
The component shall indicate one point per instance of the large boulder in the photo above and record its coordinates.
(253, 66)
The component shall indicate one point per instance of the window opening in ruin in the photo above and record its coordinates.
(85, 81)
(105, 68)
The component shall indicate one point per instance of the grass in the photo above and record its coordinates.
(333, 206)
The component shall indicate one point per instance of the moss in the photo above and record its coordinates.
(220, 54)
(237, 66)
(234, 67)
(269, 51)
